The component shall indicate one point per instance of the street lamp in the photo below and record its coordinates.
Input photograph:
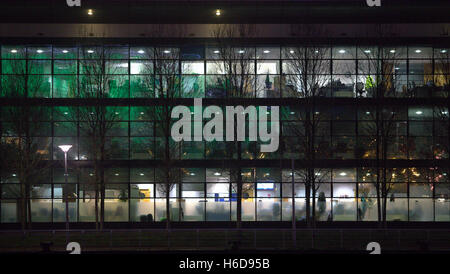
(65, 149)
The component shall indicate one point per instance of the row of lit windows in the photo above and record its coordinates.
(200, 52)
(249, 175)
(223, 190)
(286, 113)
(218, 67)
(288, 129)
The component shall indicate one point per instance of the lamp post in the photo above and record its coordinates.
(65, 149)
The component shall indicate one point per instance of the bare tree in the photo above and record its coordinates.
(236, 66)
(383, 64)
(96, 119)
(163, 78)
(20, 152)
(307, 67)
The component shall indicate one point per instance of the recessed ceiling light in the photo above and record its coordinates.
(342, 51)
(266, 51)
(65, 51)
(39, 51)
(90, 12)
(141, 51)
(419, 112)
(13, 51)
(418, 51)
(218, 12)
(342, 173)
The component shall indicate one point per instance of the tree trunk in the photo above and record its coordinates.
(168, 209)
(96, 201)
(308, 200)
(23, 211)
(28, 202)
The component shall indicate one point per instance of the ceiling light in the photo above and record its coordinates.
(292, 113)
(14, 175)
(291, 51)
(192, 174)
(217, 173)
(141, 51)
(444, 51)
(142, 174)
(419, 112)
(342, 51)
(267, 174)
(367, 51)
(316, 51)
(90, 12)
(418, 51)
(13, 51)
(342, 173)
(317, 174)
(367, 112)
(142, 113)
(91, 174)
(39, 51)
(65, 51)
(397, 68)
(65, 113)
(216, 51)
(266, 51)
(241, 51)
(218, 12)
(445, 112)
(117, 174)
(392, 51)
(90, 51)
(167, 51)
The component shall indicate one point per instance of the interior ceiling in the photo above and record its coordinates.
(234, 11)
